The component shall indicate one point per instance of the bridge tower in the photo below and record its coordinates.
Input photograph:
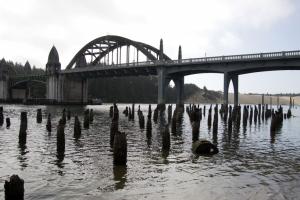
(4, 94)
(54, 82)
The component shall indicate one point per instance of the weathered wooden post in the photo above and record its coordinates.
(60, 137)
(289, 113)
(120, 149)
(68, 114)
(77, 127)
(251, 115)
(91, 117)
(132, 115)
(215, 122)
(48, 125)
(209, 117)
(174, 119)
(1, 116)
(14, 188)
(141, 119)
(23, 129)
(111, 111)
(39, 116)
(166, 139)
(169, 113)
(195, 130)
(64, 118)
(155, 115)
(7, 122)
(86, 120)
(230, 121)
(149, 123)
(255, 114)
(114, 128)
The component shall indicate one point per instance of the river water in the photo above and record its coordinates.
(250, 165)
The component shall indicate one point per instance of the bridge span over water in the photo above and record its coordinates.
(113, 56)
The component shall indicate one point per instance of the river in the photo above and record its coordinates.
(250, 165)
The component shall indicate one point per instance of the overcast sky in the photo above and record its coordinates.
(29, 28)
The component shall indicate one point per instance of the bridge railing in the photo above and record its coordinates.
(230, 58)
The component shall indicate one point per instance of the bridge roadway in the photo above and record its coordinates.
(237, 64)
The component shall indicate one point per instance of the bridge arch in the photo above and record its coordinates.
(102, 46)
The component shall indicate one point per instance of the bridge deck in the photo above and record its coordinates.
(203, 60)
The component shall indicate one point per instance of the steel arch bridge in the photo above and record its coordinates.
(100, 50)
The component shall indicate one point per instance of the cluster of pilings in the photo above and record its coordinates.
(202, 146)
(195, 115)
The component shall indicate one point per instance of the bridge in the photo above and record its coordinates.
(105, 57)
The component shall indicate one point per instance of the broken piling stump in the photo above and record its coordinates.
(7, 122)
(48, 125)
(14, 188)
(39, 116)
(120, 149)
(77, 128)
(23, 129)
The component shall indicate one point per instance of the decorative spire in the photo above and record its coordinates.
(27, 66)
(53, 65)
(179, 53)
(161, 50)
(53, 57)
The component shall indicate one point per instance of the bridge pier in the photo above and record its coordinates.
(4, 94)
(235, 81)
(162, 83)
(179, 84)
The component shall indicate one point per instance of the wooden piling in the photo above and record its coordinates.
(195, 130)
(86, 120)
(23, 129)
(69, 115)
(60, 137)
(7, 122)
(120, 149)
(91, 117)
(1, 116)
(64, 118)
(77, 127)
(48, 125)
(166, 139)
(39, 117)
(14, 188)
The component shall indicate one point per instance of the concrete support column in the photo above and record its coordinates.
(161, 86)
(3, 90)
(235, 82)
(226, 87)
(179, 84)
(84, 86)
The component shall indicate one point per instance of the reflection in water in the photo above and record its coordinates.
(22, 157)
(120, 176)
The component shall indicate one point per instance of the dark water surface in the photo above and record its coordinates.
(251, 164)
